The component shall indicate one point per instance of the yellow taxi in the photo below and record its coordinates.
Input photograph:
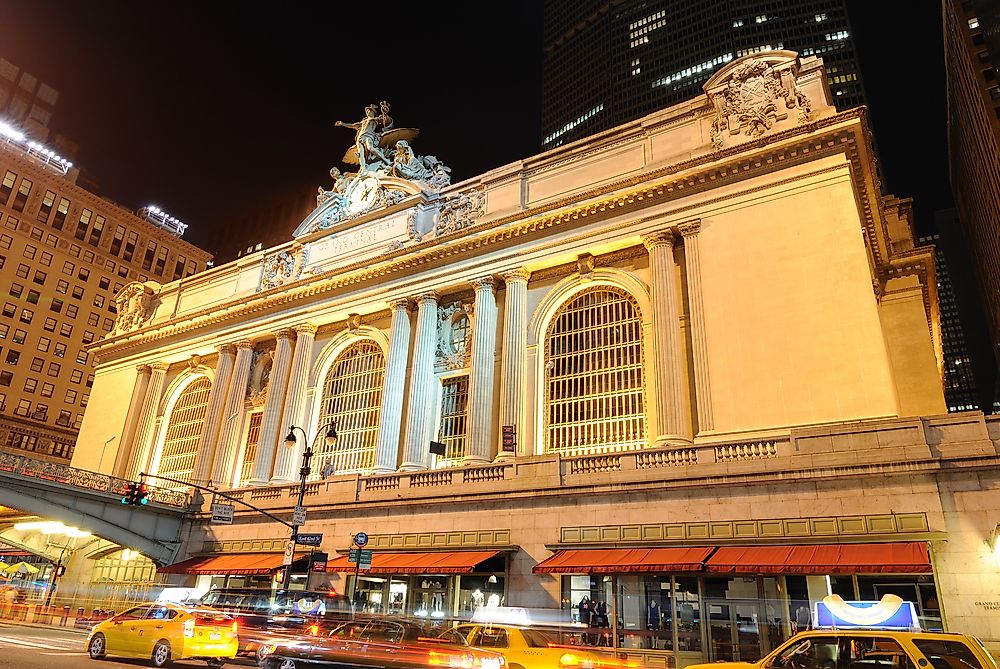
(862, 648)
(534, 648)
(164, 632)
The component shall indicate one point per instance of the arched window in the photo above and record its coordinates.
(352, 400)
(180, 445)
(594, 398)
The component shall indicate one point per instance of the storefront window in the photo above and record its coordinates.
(368, 594)
(644, 605)
(688, 615)
(476, 591)
(430, 596)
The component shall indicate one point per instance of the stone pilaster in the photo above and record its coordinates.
(274, 405)
(479, 440)
(229, 425)
(515, 348)
(699, 340)
(213, 415)
(673, 427)
(288, 460)
(126, 441)
(145, 428)
(419, 414)
(387, 448)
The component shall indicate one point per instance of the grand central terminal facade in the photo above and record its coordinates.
(685, 372)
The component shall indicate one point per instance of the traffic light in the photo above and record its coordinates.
(136, 494)
(130, 490)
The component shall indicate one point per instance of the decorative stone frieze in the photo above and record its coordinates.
(460, 211)
(282, 267)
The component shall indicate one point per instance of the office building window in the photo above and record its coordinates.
(95, 232)
(7, 186)
(48, 200)
(61, 211)
(83, 224)
(47, 389)
(22, 195)
(147, 259)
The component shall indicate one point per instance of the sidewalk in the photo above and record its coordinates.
(68, 628)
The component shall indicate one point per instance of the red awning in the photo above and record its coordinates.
(622, 560)
(437, 562)
(234, 563)
(906, 558)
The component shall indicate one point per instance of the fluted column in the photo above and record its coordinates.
(139, 460)
(481, 372)
(288, 460)
(699, 340)
(270, 422)
(387, 448)
(213, 414)
(229, 427)
(419, 414)
(672, 424)
(515, 347)
(126, 441)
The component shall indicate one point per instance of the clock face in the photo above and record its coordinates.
(363, 195)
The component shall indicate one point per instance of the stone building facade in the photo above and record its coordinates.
(642, 359)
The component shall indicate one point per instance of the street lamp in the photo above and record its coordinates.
(290, 441)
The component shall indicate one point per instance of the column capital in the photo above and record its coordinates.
(305, 328)
(226, 348)
(660, 238)
(689, 228)
(142, 369)
(427, 296)
(284, 333)
(519, 274)
(399, 303)
(245, 344)
(159, 366)
(483, 282)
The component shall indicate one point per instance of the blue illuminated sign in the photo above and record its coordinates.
(891, 612)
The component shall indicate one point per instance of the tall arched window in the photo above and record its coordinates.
(594, 398)
(352, 400)
(180, 444)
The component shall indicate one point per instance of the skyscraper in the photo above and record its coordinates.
(606, 63)
(971, 40)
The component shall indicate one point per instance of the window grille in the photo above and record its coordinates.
(184, 430)
(250, 454)
(454, 429)
(595, 402)
(352, 398)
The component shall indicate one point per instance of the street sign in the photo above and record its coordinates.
(364, 566)
(286, 559)
(314, 539)
(222, 514)
(299, 515)
(319, 561)
(508, 440)
(360, 555)
(361, 539)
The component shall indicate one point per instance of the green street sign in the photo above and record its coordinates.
(359, 555)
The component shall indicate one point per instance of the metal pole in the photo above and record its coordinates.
(303, 474)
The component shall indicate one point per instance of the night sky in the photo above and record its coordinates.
(205, 108)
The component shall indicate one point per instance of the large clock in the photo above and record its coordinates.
(363, 195)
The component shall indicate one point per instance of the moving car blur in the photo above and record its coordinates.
(163, 632)
(535, 648)
(382, 642)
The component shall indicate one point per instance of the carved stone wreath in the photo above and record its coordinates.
(455, 322)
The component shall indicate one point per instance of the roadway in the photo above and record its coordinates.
(28, 647)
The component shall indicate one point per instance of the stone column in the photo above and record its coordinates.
(515, 348)
(387, 448)
(270, 423)
(288, 460)
(229, 427)
(213, 414)
(419, 410)
(481, 372)
(699, 340)
(126, 441)
(145, 428)
(672, 424)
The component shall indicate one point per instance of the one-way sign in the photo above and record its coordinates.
(304, 539)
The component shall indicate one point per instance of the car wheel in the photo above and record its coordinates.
(161, 654)
(97, 648)
(287, 664)
(215, 662)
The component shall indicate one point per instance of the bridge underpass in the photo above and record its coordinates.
(91, 502)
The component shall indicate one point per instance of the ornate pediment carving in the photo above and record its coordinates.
(135, 304)
(282, 267)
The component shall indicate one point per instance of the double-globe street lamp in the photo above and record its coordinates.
(307, 454)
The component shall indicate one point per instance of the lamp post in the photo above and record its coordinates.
(307, 453)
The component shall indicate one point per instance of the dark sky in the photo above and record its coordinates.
(204, 108)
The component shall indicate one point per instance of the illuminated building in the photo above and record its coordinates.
(692, 361)
(64, 255)
(608, 63)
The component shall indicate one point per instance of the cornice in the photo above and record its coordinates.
(655, 187)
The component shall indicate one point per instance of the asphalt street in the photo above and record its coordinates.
(23, 647)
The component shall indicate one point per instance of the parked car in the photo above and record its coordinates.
(163, 632)
(870, 649)
(385, 643)
(263, 613)
(534, 648)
